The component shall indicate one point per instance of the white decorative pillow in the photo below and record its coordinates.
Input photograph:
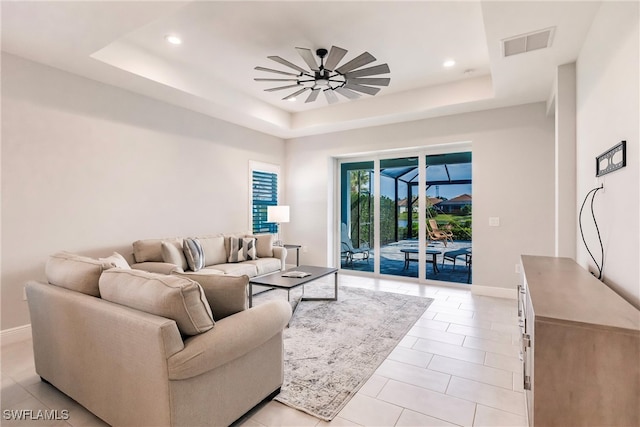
(242, 249)
(115, 261)
(193, 253)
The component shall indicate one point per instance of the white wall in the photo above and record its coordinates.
(608, 112)
(90, 168)
(565, 157)
(513, 178)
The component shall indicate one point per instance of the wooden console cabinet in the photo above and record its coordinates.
(580, 347)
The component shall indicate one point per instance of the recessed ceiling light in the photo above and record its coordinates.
(291, 99)
(449, 63)
(173, 39)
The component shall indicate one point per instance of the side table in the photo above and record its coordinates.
(297, 248)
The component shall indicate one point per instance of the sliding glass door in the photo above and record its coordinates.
(399, 212)
(448, 210)
(357, 216)
(387, 228)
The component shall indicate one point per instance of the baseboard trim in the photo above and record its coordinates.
(14, 335)
(491, 291)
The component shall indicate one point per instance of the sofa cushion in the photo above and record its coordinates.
(151, 249)
(242, 249)
(210, 270)
(227, 295)
(173, 297)
(264, 245)
(266, 265)
(115, 260)
(237, 269)
(193, 253)
(173, 254)
(214, 250)
(75, 272)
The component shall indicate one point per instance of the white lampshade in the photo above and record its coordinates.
(278, 214)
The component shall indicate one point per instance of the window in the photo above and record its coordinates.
(264, 192)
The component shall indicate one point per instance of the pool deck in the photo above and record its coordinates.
(392, 261)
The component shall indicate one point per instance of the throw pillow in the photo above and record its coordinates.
(193, 253)
(264, 245)
(242, 249)
(150, 250)
(115, 261)
(173, 297)
(75, 272)
(173, 254)
(227, 295)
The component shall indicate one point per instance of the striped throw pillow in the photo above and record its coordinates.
(193, 253)
(242, 249)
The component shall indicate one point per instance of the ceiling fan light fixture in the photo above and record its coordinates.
(328, 77)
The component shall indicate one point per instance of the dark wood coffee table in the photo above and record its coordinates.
(275, 280)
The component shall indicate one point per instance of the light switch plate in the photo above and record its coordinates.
(494, 221)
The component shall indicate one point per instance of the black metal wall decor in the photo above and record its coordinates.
(613, 159)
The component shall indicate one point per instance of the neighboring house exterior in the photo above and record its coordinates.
(456, 204)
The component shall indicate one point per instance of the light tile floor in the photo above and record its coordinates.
(457, 366)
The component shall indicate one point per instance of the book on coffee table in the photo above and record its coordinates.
(296, 274)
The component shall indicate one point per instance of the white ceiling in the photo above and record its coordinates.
(212, 71)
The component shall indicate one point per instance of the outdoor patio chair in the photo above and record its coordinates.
(436, 233)
(348, 250)
(453, 255)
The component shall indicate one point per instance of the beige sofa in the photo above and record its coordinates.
(170, 255)
(142, 349)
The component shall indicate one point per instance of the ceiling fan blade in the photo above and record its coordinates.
(275, 80)
(309, 58)
(271, 70)
(313, 95)
(331, 97)
(294, 94)
(364, 89)
(373, 81)
(280, 88)
(356, 62)
(335, 55)
(378, 69)
(287, 63)
(347, 93)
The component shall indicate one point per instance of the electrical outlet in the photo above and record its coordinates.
(518, 268)
(305, 249)
(494, 221)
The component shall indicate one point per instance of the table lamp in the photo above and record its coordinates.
(279, 215)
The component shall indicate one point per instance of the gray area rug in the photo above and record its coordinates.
(333, 347)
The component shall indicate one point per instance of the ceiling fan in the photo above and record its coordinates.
(349, 80)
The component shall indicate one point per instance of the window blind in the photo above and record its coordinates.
(265, 193)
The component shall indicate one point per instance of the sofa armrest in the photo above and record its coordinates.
(280, 252)
(157, 267)
(230, 338)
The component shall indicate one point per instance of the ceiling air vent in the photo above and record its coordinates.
(527, 42)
